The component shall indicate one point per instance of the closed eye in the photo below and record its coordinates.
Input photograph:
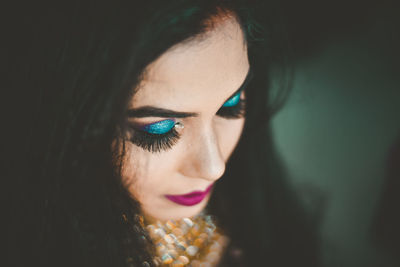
(233, 108)
(233, 101)
(162, 135)
(155, 137)
(160, 127)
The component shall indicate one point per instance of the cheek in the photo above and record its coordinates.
(144, 174)
(135, 166)
(139, 173)
(229, 132)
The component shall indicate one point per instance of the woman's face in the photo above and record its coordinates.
(197, 85)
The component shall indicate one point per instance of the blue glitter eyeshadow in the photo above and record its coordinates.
(160, 127)
(233, 101)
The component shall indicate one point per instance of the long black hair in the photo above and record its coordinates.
(71, 67)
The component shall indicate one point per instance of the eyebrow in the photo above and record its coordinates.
(150, 111)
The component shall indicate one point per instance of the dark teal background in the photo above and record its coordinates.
(335, 133)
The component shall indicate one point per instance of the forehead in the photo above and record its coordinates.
(196, 74)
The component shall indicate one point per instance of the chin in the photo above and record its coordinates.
(176, 211)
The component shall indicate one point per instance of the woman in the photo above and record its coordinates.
(141, 117)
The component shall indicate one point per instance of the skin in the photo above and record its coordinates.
(196, 76)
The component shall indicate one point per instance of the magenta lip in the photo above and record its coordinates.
(189, 199)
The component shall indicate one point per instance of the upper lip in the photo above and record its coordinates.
(198, 192)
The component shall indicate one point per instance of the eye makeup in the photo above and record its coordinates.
(160, 127)
(155, 137)
(162, 135)
(233, 108)
(233, 101)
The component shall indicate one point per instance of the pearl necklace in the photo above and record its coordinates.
(194, 242)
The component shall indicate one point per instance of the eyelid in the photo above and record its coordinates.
(233, 100)
(164, 126)
(236, 110)
(162, 135)
(160, 127)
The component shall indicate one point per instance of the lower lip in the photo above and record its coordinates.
(189, 199)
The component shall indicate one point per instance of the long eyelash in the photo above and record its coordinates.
(154, 142)
(234, 112)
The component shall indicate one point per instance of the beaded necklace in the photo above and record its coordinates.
(191, 242)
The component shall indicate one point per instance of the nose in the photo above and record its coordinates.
(203, 158)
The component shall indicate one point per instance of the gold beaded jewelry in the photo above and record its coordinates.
(195, 242)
